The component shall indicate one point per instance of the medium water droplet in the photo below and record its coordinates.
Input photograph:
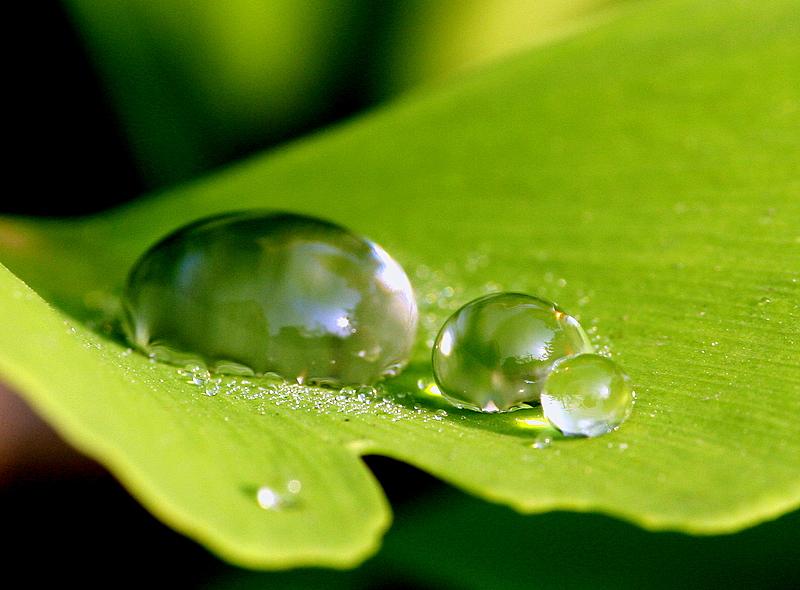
(587, 395)
(494, 353)
(258, 292)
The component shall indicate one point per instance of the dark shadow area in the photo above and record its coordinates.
(402, 483)
(68, 152)
(451, 540)
(87, 529)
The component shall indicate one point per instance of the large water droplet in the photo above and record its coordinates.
(273, 292)
(494, 353)
(587, 395)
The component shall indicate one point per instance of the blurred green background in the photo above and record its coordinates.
(129, 96)
(115, 99)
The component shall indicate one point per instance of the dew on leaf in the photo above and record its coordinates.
(494, 353)
(257, 292)
(587, 395)
(270, 498)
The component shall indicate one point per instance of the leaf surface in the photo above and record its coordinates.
(644, 175)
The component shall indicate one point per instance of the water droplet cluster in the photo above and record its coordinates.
(504, 351)
(259, 292)
(494, 353)
(271, 393)
(285, 296)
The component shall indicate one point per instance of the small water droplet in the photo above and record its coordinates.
(587, 395)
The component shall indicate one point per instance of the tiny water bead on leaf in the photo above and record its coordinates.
(272, 292)
(494, 353)
(587, 395)
(270, 498)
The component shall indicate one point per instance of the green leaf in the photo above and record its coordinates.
(643, 174)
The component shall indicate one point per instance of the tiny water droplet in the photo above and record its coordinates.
(270, 498)
(273, 292)
(494, 353)
(476, 260)
(441, 413)
(366, 391)
(423, 272)
(212, 388)
(587, 395)
(542, 441)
